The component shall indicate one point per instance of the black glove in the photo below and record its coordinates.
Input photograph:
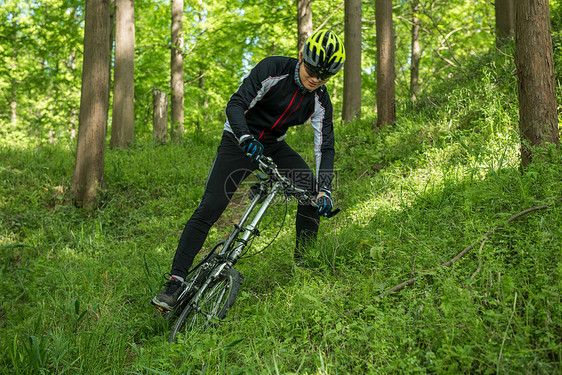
(252, 147)
(325, 203)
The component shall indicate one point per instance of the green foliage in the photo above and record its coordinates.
(451, 34)
(40, 65)
(222, 41)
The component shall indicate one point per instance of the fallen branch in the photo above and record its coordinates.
(479, 260)
(482, 241)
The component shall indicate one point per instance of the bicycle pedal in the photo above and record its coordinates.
(160, 308)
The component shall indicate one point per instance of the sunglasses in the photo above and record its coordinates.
(314, 73)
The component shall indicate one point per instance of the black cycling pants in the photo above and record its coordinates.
(229, 169)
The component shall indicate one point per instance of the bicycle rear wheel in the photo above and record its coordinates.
(212, 305)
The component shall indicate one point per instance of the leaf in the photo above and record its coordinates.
(233, 344)
(81, 315)
(76, 304)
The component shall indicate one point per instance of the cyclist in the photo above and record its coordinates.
(277, 93)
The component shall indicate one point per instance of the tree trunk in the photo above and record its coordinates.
(304, 22)
(416, 52)
(385, 63)
(505, 21)
(159, 116)
(122, 131)
(538, 122)
(110, 44)
(177, 129)
(94, 104)
(352, 71)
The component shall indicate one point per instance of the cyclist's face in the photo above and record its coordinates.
(309, 78)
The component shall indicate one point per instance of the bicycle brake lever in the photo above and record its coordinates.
(334, 212)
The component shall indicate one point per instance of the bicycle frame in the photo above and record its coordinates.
(235, 244)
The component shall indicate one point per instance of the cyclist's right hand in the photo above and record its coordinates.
(252, 147)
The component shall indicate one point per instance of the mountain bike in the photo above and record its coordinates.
(212, 285)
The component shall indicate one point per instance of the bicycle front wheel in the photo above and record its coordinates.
(212, 306)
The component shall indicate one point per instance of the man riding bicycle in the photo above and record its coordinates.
(277, 93)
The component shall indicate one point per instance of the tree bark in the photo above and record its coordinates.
(88, 174)
(122, 130)
(538, 121)
(352, 72)
(177, 100)
(505, 21)
(159, 116)
(416, 52)
(304, 22)
(385, 63)
(110, 44)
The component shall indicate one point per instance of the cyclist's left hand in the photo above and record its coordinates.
(325, 203)
(252, 147)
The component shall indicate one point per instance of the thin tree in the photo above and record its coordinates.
(505, 21)
(386, 111)
(304, 22)
(122, 130)
(176, 102)
(88, 174)
(159, 116)
(203, 103)
(352, 72)
(416, 51)
(538, 122)
(12, 41)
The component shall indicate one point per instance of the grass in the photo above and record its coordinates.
(76, 287)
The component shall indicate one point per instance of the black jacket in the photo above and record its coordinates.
(269, 101)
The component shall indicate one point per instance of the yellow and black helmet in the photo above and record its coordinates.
(324, 53)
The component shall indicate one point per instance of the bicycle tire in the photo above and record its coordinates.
(212, 305)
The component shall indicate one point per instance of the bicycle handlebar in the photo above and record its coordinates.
(267, 166)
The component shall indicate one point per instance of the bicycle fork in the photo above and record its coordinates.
(194, 303)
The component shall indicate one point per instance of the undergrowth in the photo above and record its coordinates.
(76, 287)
